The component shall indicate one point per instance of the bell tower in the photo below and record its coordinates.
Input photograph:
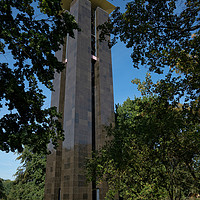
(84, 94)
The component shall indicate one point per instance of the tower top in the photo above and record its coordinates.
(104, 4)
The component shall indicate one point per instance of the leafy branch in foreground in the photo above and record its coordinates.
(164, 37)
(31, 31)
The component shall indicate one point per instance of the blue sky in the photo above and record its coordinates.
(123, 74)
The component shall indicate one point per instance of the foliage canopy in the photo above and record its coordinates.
(165, 37)
(31, 31)
(155, 149)
(154, 153)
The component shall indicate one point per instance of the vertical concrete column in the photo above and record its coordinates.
(104, 83)
(54, 160)
(77, 110)
(104, 101)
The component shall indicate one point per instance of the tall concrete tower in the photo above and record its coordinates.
(84, 94)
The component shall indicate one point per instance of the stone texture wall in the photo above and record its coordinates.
(103, 91)
(65, 177)
(104, 84)
(77, 112)
(54, 160)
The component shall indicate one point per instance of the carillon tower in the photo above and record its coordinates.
(84, 94)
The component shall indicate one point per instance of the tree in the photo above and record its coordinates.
(154, 153)
(164, 37)
(2, 190)
(7, 186)
(31, 31)
(30, 177)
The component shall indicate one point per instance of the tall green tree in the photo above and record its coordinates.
(154, 153)
(30, 177)
(31, 31)
(155, 149)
